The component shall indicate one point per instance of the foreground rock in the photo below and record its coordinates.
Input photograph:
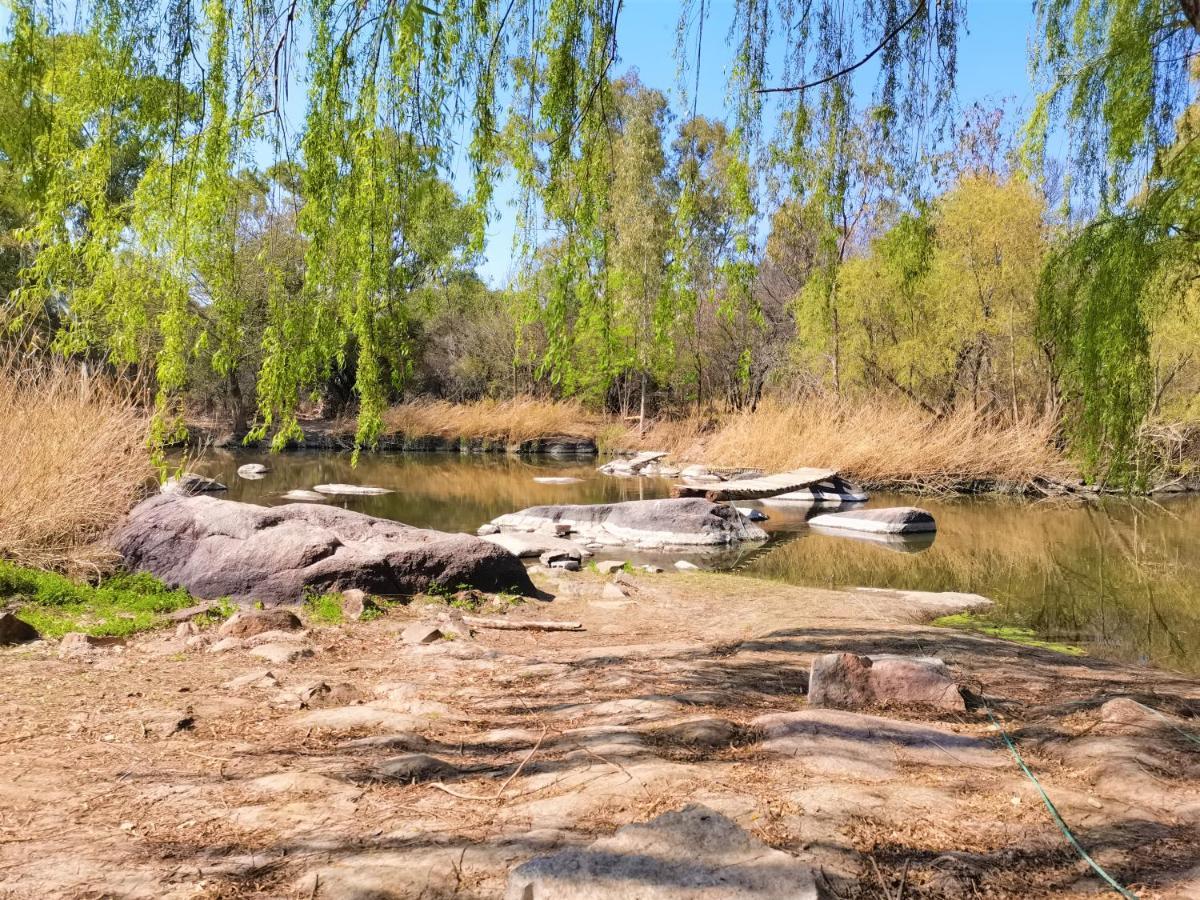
(252, 622)
(643, 524)
(895, 520)
(691, 854)
(15, 631)
(847, 681)
(219, 548)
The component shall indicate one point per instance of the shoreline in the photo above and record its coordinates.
(328, 437)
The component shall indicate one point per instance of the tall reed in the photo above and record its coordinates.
(76, 461)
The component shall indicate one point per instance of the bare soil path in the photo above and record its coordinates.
(375, 769)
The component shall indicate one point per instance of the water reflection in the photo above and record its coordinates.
(1122, 578)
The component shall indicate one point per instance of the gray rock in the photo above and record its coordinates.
(410, 767)
(274, 637)
(691, 854)
(421, 633)
(249, 622)
(300, 496)
(633, 465)
(528, 545)
(185, 630)
(190, 483)
(608, 566)
(184, 615)
(894, 520)
(15, 631)
(754, 515)
(226, 644)
(356, 603)
(568, 565)
(707, 731)
(260, 678)
(252, 471)
(352, 490)
(489, 528)
(218, 548)
(653, 570)
(552, 557)
(282, 654)
(649, 524)
(164, 723)
(684, 566)
(847, 681)
(77, 644)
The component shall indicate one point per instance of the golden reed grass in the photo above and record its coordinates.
(76, 462)
(879, 441)
(512, 421)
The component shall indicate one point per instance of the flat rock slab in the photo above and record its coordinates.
(191, 483)
(855, 745)
(926, 605)
(219, 548)
(893, 520)
(353, 490)
(849, 681)
(531, 545)
(691, 854)
(759, 487)
(645, 524)
(300, 496)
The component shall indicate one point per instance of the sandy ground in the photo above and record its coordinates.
(379, 769)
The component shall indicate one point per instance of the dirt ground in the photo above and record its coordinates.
(374, 768)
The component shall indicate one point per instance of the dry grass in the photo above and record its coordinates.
(512, 421)
(76, 461)
(874, 441)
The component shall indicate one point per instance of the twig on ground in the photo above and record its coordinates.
(507, 781)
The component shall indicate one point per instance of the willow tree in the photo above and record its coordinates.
(397, 86)
(1117, 74)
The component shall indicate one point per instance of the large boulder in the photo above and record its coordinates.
(645, 524)
(219, 548)
(694, 853)
(848, 681)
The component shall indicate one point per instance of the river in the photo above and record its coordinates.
(1120, 578)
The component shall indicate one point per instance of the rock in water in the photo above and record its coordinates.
(847, 681)
(252, 471)
(354, 490)
(895, 520)
(219, 548)
(694, 853)
(299, 496)
(645, 524)
(754, 515)
(191, 483)
(15, 631)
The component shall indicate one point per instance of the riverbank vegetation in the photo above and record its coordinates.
(76, 460)
(880, 257)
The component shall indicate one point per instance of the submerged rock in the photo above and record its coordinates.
(694, 853)
(353, 490)
(191, 483)
(644, 524)
(895, 520)
(219, 548)
(300, 496)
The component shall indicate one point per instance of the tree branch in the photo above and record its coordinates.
(887, 39)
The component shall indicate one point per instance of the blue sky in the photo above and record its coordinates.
(992, 66)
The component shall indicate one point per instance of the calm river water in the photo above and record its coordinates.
(1120, 578)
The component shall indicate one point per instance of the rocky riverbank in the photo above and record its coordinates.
(672, 746)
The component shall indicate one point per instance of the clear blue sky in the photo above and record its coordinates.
(992, 66)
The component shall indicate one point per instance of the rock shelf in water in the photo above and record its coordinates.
(642, 524)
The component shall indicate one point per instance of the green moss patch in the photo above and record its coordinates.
(1014, 633)
(118, 606)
